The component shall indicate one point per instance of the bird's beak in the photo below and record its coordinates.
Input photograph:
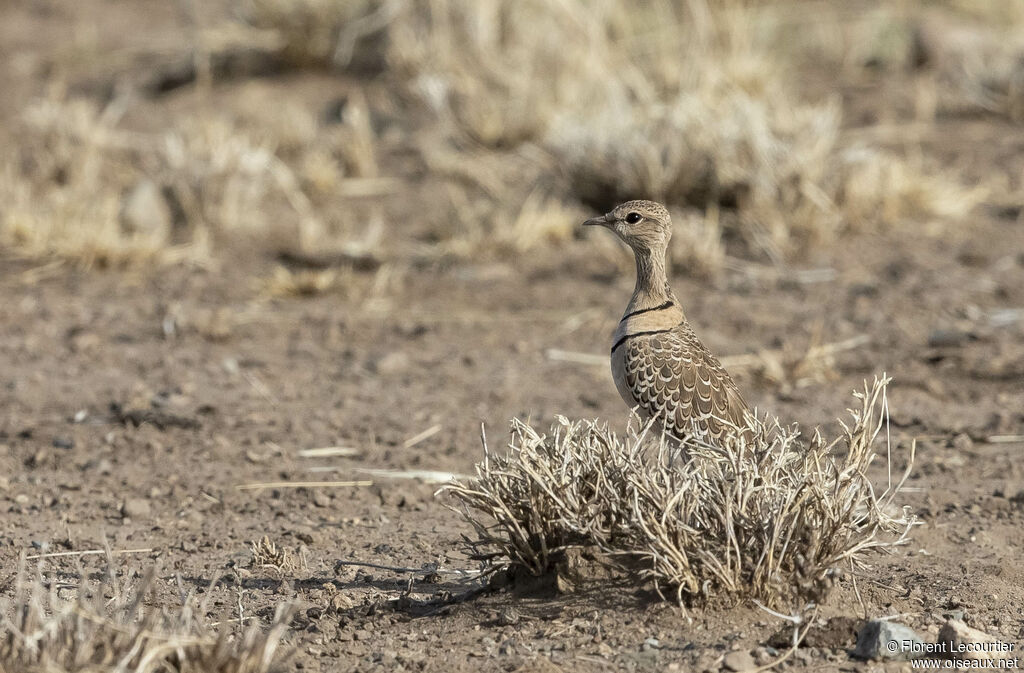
(602, 220)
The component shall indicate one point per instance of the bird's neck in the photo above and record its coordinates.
(653, 307)
(652, 287)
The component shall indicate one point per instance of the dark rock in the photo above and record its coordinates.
(947, 338)
(888, 640)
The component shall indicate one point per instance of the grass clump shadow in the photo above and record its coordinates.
(766, 516)
(112, 625)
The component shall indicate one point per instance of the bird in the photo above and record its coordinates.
(660, 368)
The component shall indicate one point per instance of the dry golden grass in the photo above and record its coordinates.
(85, 189)
(964, 55)
(323, 32)
(527, 115)
(689, 104)
(306, 283)
(111, 626)
(696, 247)
(63, 195)
(974, 63)
(772, 519)
(477, 229)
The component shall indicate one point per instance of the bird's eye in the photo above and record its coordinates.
(633, 218)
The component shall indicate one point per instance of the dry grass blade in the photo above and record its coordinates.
(426, 476)
(1005, 439)
(301, 484)
(576, 357)
(89, 552)
(421, 436)
(768, 517)
(328, 452)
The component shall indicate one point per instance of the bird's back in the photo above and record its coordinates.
(669, 373)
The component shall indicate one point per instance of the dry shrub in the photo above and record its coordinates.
(111, 626)
(770, 519)
(480, 215)
(495, 75)
(877, 187)
(476, 228)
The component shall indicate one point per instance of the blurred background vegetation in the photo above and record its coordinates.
(440, 130)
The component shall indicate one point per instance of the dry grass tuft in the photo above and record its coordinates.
(975, 59)
(771, 519)
(60, 628)
(965, 55)
(335, 33)
(795, 366)
(66, 195)
(266, 555)
(304, 283)
(685, 103)
(697, 247)
(90, 191)
(487, 69)
(476, 227)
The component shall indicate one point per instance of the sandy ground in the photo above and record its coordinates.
(133, 406)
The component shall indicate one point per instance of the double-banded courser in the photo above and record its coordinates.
(659, 365)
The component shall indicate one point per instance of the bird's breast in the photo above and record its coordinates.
(619, 376)
(647, 321)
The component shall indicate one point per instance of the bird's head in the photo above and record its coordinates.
(644, 226)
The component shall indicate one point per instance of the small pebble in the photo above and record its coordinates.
(739, 661)
(508, 616)
(136, 508)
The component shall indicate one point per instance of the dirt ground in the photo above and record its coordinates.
(134, 404)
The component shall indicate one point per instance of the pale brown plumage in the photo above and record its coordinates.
(659, 365)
